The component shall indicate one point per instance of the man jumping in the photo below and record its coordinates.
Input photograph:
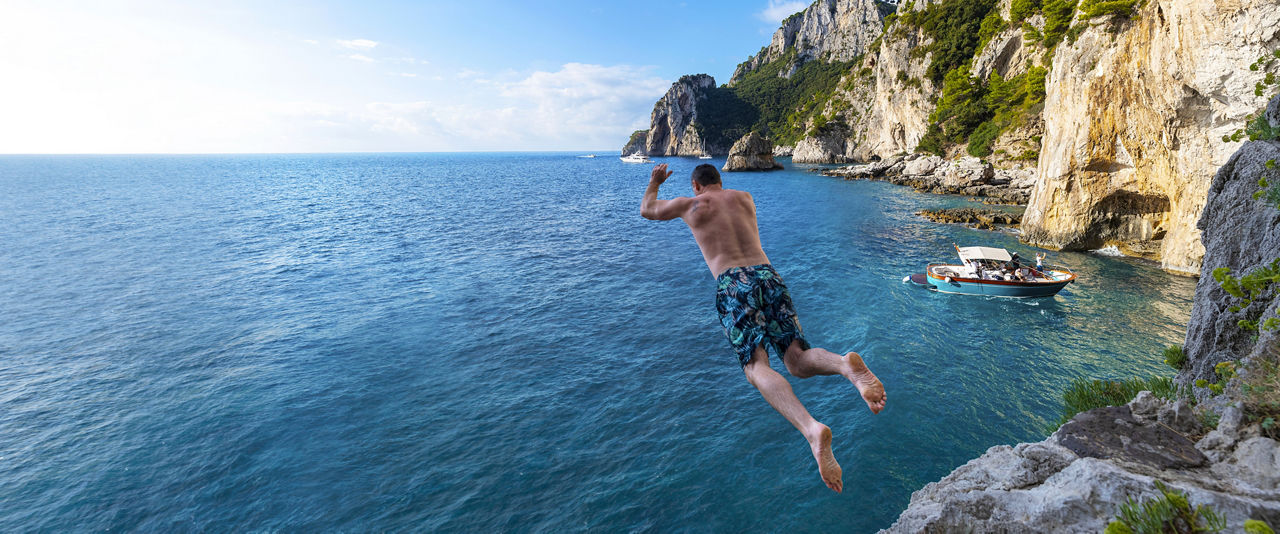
(755, 307)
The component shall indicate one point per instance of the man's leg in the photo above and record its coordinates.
(775, 389)
(819, 361)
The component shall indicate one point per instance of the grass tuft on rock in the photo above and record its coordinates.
(1084, 394)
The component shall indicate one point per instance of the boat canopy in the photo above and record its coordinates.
(983, 253)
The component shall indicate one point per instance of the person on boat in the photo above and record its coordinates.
(1039, 262)
(755, 307)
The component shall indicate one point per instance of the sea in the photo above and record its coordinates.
(498, 342)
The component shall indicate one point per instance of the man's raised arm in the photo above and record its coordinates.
(661, 210)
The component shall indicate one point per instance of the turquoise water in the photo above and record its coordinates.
(478, 342)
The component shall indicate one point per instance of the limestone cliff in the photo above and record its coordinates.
(828, 30)
(888, 99)
(1077, 479)
(1133, 120)
(636, 143)
(1123, 135)
(885, 103)
(1241, 233)
(673, 124)
(751, 153)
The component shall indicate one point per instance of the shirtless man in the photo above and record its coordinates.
(755, 307)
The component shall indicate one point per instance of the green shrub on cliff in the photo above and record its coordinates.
(1120, 8)
(1171, 512)
(1021, 9)
(976, 113)
(1057, 20)
(956, 29)
(1258, 285)
(1174, 357)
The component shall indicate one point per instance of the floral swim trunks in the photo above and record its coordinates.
(755, 307)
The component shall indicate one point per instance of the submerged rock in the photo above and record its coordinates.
(933, 174)
(983, 219)
(751, 153)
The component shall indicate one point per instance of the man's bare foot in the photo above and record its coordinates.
(868, 385)
(820, 443)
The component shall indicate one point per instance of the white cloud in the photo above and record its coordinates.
(781, 9)
(403, 74)
(359, 57)
(312, 42)
(578, 106)
(357, 44)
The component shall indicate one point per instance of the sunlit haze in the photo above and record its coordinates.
(239, 76)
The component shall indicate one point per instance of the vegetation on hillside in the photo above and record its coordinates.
(955, 28)
(764, 101)
(976, 112)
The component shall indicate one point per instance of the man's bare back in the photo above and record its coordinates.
(750, 294)
(723, 221)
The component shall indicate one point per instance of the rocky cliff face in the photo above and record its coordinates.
(1133, 120)
(885, 102)
(829, 30)
(751, 153)
(1243, 234)
(673, 129)
(1076, 480)
(636, 143)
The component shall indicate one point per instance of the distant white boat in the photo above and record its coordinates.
(636, 158)
(705, 156)
(588, 156)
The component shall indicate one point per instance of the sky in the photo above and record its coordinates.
(237, 76)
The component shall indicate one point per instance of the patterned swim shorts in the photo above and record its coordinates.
(755, 307)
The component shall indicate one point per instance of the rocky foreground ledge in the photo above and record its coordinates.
(933, 174)
(1076, 480)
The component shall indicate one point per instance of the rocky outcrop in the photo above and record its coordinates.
(1076, 480)
(636, 143)
(892, 97)
(1241, 233)
(933, 174)
(673, 124)
(982, 219)
(751, 153)
(1134, 114)
(828, 30)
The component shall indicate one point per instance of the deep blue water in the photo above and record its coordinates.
(481, 342)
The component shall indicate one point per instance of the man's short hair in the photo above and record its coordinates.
(706, 174)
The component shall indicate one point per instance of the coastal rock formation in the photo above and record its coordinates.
(1077, 479)
(636, 143)
(673, 129)
(982, 219)
(1133, 122)
(830, 30)
(933, 174)
(1122, 146)
(1243, 234)
(821, 149)
(890, 103)
(751, 153)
